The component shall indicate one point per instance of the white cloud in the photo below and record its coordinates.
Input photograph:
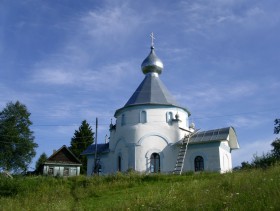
(205, 15)
(251, 121)
(111, 23)
(241, 89)
(202, 95)
(77, 63)
(86, 78)
(54, 76)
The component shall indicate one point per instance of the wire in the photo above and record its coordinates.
(133, 123)
(5, 142)
(208, 117)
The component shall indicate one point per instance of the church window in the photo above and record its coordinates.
(198, 163)
(119, 163)
(155, 163)
(123, 121)
(169, 117)
(143, 117)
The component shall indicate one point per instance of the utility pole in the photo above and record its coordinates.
(96, 170)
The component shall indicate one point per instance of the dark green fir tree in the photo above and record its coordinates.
(83, 137)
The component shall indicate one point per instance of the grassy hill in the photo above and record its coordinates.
(241, 190)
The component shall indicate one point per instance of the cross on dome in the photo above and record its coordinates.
(152, 64)
(152, 39)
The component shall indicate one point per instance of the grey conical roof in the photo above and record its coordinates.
(151, 91)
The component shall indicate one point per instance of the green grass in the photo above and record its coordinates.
(242, 190)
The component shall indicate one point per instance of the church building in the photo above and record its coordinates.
(152, 134)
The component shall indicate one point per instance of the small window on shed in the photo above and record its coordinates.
(143, 117)
(66, 171)
(73, 171)
(50, 172)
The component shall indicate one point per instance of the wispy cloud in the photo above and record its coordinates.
(204, 15)
(92, 79)
(205, 95)
(77, 63)
(111, 23)
(242, 121)
(54, 76)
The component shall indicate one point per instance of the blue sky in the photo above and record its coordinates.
(73, 60)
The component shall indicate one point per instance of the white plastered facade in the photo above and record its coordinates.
(134, 141)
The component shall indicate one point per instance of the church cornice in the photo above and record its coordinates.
(147, 106)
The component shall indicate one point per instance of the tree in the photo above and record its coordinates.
(81, 140)
(270, 158)
(246, 165)
(38, 167)
(276, 148)
(17, 146)
(263, 161)
(277, 126)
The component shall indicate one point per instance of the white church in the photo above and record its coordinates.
(152, 134)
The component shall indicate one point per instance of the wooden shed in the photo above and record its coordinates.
(62, 163)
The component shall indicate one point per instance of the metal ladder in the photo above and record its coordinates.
(182, 153)
(181, 157)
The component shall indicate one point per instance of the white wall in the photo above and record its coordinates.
(225, 157)
(209, 152)
(135, 142)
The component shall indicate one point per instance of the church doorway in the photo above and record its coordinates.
(198, 163)
(155, 163)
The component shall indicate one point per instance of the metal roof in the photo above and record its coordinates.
(151, 91)
(101, 148)
(222, 134)
(152, 63)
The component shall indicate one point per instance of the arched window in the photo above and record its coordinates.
(198, 163)
(143, 117)
(119, 163)
(169, 117)
(123, 119)
(155, 163)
